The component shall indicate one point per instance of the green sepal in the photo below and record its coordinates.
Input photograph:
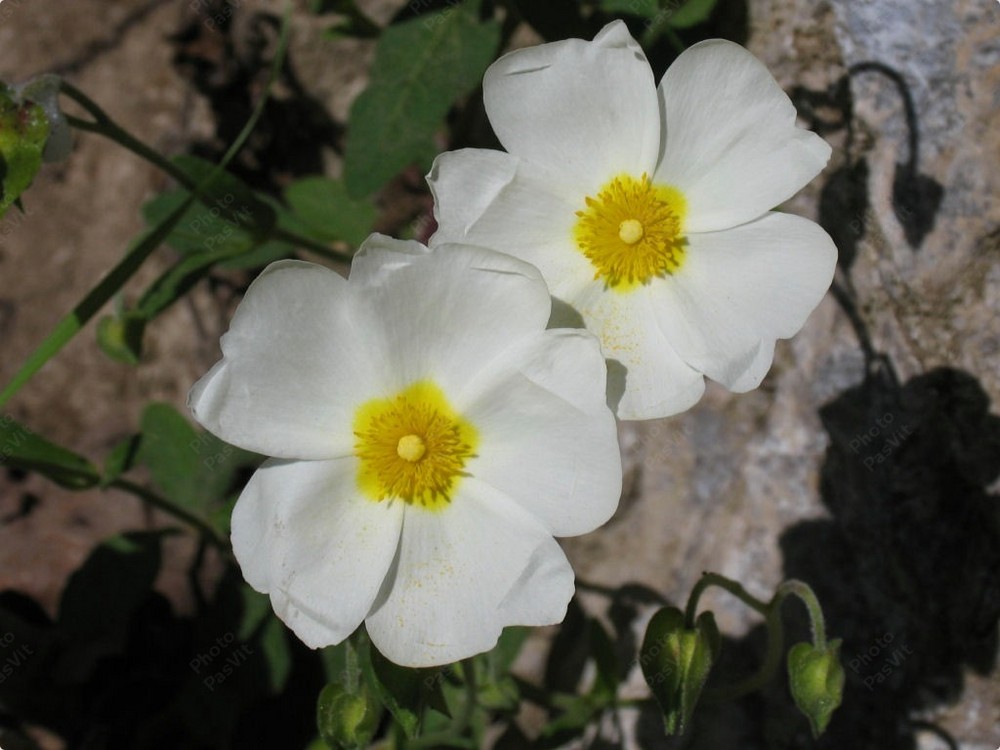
(816, 679)
(347, 719)
(676, 660)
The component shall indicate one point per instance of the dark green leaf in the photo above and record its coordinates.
(21, 447)
(24, 129)
(642, 8)
(691, 13)
(330, 213)
(274, 642)
(421, 67)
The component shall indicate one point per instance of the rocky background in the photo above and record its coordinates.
(866, 464)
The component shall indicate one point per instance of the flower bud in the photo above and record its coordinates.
(676, 661)
(347, 720)
(816, 678)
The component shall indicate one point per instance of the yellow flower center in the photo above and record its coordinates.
(631, 232)
(412, 446)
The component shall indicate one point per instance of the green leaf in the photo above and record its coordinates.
(24, 129)
(421, 67)
(277, 653)
(326, 208)
(402, 690)
(100, 598)
(676, 660)
(691, 13)
(193, 469)
(21, 447)
(202, 229)
(816, 680)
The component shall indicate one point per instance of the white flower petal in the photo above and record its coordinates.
(741, 289)
(296, 358)
(302, 534)
(452, 589)
(547, 437)
(732, 146)
(586, 109)
(447, 314)
(495, 200)
(646, 376)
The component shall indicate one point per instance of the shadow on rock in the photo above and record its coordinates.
(908, 568)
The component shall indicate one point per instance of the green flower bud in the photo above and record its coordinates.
(347, 720)
(816, 678)
(24, 129)
(676, 660)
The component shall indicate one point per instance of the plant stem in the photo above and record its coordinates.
(808, 597)
(161, 503)
(734, 588)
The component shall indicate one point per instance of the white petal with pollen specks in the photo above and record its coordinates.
(656, 381)
(741, 289)
(454, 585)
(296, 358)
(303, 534)
(586, 109)
(732, 146)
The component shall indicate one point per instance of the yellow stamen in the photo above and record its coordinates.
(632, 231)
(412, 446)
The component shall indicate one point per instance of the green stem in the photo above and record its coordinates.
(161, 503)
(808, 597)
(352, 672)
(103, 125)
(72, 323)
(772, 620)
(734, 588)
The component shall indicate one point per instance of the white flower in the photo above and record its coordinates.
(647, 209)
(429, 438)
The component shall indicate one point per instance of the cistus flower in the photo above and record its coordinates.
(428, 437)
(647, 209)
